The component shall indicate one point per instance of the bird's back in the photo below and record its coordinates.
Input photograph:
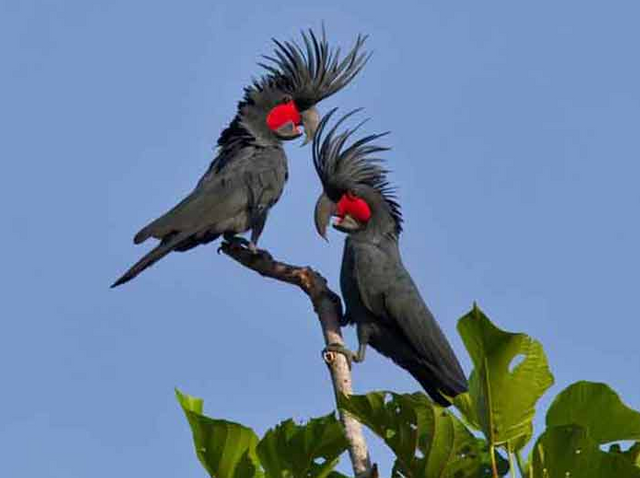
(378, 290)
(223, 196)
(233, 196)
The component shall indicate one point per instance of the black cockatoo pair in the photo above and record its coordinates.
(247, 178)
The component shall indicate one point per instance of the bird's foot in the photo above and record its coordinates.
(240, 242)
(339, 349)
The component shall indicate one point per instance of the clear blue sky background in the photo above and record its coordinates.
(515, 147)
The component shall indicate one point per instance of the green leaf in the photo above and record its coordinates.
(503, 392)
(389, 421)
(597, 408)
(485, 457)
(225, 449)
(568, 452)
(467, 409)
(632, 454)
(426, 439)
(309, 451)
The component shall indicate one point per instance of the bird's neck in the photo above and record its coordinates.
(366, 238)
(380, 229)
(250, 123)
(246, 130)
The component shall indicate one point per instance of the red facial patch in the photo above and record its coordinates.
(353, 206)
(282, 114)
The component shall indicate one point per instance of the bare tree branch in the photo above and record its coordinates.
(328, 307)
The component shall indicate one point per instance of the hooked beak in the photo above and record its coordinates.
(347, 224)
(288, 131)
(310, 121)
(325, 209)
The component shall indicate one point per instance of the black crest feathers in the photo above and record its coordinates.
(314, 71)
(343, 167)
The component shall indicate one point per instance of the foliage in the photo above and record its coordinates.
(581, 418)
(426, 439)
(568, 450)
(502, 393)
(510, 375)
(632, 454)
(294, 450)
(225, 449)
(583, 403)
(231, 450)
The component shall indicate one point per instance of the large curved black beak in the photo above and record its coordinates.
(310, 120)
(325, 209)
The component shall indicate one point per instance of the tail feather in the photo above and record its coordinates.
(152, 230)
(439, 372)
(158, 228)
(142, 236)
(438, 385)
(153, 256)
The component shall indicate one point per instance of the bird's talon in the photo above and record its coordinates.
(330, 351)
(237, 242)
(328, 356)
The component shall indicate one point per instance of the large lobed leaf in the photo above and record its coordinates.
(598, 409)
(569, 452)
(225, 449)
(502, 391)
(230, 450)
(427, 440)
(303, 451)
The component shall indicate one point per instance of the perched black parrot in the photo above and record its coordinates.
(248, 174)
(379, 294)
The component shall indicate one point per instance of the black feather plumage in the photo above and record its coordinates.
(380, 297)
(306, 75)
(248, 174)
(340, 169)
(315, 72)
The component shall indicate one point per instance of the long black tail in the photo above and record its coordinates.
(440, 387)
(165, 247)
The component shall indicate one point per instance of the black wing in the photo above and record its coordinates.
(405, 306)
(220, 194)
(388, 291)
(232, 199)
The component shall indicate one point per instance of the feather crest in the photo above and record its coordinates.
(342, 166)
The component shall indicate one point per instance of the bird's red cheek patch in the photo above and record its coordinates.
(355, 207)
(282, 114)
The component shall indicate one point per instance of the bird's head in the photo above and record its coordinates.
(355, 188)
(298, 76)
(285, 119)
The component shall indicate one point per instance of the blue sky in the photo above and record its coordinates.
(515, 149)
